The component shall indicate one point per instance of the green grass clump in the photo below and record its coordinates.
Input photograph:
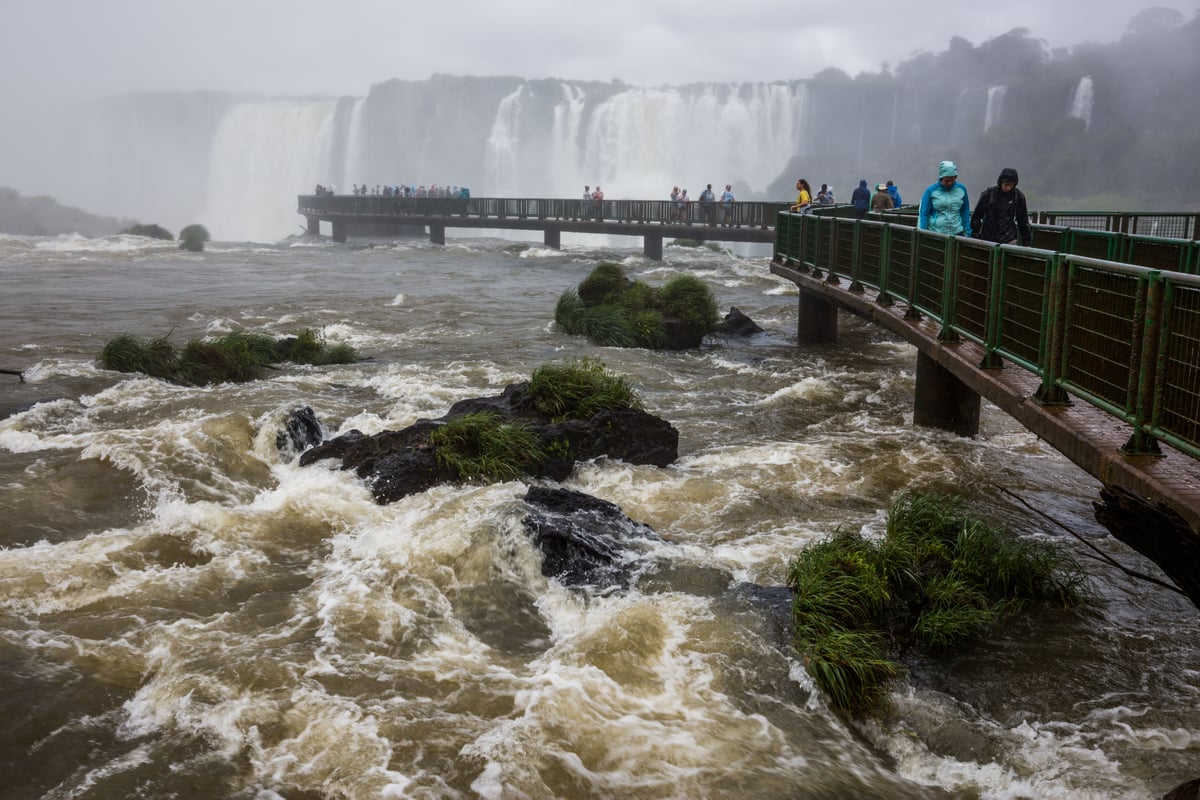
(485, 447)
(578, 389)
(613, 311)
(939, 579)
(153, 357)
(235, 357)
(688, 298)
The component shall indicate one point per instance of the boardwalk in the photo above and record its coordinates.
(652, 220)
(1100, 359)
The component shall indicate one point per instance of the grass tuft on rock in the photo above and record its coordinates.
(579, 389)
(484, 447)
(939, 579)
(614, 311)
(234, 357)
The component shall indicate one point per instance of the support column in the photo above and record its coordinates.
(314, 225)
(437, 234)
(552, 237)
(817, 322)
(339, 231)
(652, 246)
(943, 401)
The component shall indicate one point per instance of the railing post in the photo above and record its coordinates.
(949, 293)
(991, 340)
(885, 259)
(1145, 391)
(1050, 393)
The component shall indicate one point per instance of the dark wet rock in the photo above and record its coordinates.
(774, 603)
(1184, 791)
(738, 324)
(400, 463)
(301, 431)
(585, 541)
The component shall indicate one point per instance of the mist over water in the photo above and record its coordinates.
(188, 613)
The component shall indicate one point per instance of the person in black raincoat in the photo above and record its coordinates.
(1001, 214)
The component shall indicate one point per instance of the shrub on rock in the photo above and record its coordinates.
(193, 237)
(612, 310)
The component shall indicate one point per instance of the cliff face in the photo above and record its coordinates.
(43, 216)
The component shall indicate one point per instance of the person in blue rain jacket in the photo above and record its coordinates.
(945, 206)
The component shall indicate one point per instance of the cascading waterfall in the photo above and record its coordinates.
(995, 104)
(352, 165)
(502, 159)
(1081, 101)
(264, 154)
(640, 142)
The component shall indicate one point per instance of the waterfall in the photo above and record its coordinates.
(995, 104)
(264, 154)
(1081, 101)
(502, 159)
(353, 165)
(641, 142)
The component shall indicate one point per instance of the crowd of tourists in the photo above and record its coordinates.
(401, 190)
(1001, 213)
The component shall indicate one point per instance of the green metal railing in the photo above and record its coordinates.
(1121, 336)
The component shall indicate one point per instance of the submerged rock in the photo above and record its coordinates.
(301, 431)
(738, 324)
(585, 541)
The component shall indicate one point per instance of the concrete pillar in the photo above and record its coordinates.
(652, 246)
(339, 231)
(943, 401)
(314, 225)
(437, 234)
(817, 323)
(553, 238)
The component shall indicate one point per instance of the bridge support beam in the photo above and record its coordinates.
(942, 400)
(817, 323)
(552, 238)
(437, 234)
(339, 231)
(652, 246)
(314, 225)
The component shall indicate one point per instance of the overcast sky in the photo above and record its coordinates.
(302, 47)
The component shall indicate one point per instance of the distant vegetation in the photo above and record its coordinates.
(610, 309)
(151, 231)
(235, 357)
(193, 237)
(43, 216)
(938, 579)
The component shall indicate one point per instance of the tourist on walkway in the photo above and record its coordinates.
(824, 195)
(1001, 214)
(727, 203)
(681, 205)
(708, 199)
(585, 210)
(598, 203)
(881, 200)
(803, 204)
(894, 191)
(860, 198)
(945, 206)
(674, 203)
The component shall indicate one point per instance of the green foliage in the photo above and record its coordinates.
(193, 238)
(153, 357)
(484, 447)
(613, 311)
(606, 281)
(579, 389)
(235, 357)
(688, 298)
(940, 578)
(152, 231)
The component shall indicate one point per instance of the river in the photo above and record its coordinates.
(187, 613)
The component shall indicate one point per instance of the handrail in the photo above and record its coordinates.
(1122, 337)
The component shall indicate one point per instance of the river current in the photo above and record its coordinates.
(187, 613)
